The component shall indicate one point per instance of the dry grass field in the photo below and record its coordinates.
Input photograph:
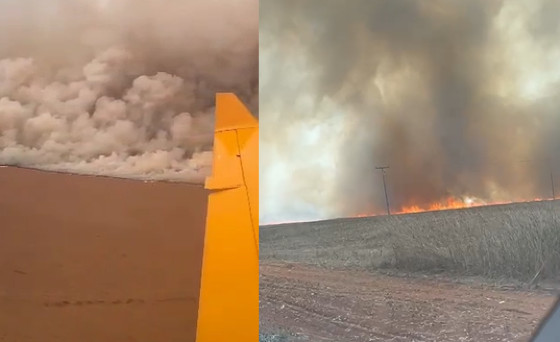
(513, 241)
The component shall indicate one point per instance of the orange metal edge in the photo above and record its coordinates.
(229, 291)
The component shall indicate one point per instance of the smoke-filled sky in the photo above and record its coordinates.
(459, 98)
(122, 88)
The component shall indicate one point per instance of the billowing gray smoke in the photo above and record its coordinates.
(121, 88)
(459, 98)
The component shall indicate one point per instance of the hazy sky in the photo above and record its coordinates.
(453, 95)
(123, 89)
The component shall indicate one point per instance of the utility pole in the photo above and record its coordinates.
(382, 168)
(552, 184)
(550, 169)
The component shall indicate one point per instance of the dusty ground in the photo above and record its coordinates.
(317, 304)
(98, 259)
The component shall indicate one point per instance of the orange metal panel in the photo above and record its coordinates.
(229, 291)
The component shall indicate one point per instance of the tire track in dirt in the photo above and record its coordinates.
(128, 301)
(317, 315)
(327, 305)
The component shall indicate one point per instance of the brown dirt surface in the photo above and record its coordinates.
(318, 304)
(87, 258)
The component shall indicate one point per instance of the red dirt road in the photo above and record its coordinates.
(324, 305)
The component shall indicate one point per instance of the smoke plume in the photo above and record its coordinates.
(459, 98)
(121, 88)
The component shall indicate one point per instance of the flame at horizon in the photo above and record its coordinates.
(449, 204)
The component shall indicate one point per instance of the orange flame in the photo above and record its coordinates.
(364, 215)
(449, 204)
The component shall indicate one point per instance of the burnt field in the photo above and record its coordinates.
(456, 275)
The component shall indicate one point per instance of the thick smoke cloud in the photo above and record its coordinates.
(460, 98)
(121, 88)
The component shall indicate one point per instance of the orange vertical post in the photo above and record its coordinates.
(229, 290)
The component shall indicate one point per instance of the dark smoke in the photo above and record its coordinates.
(123, 88)
(459, 98)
